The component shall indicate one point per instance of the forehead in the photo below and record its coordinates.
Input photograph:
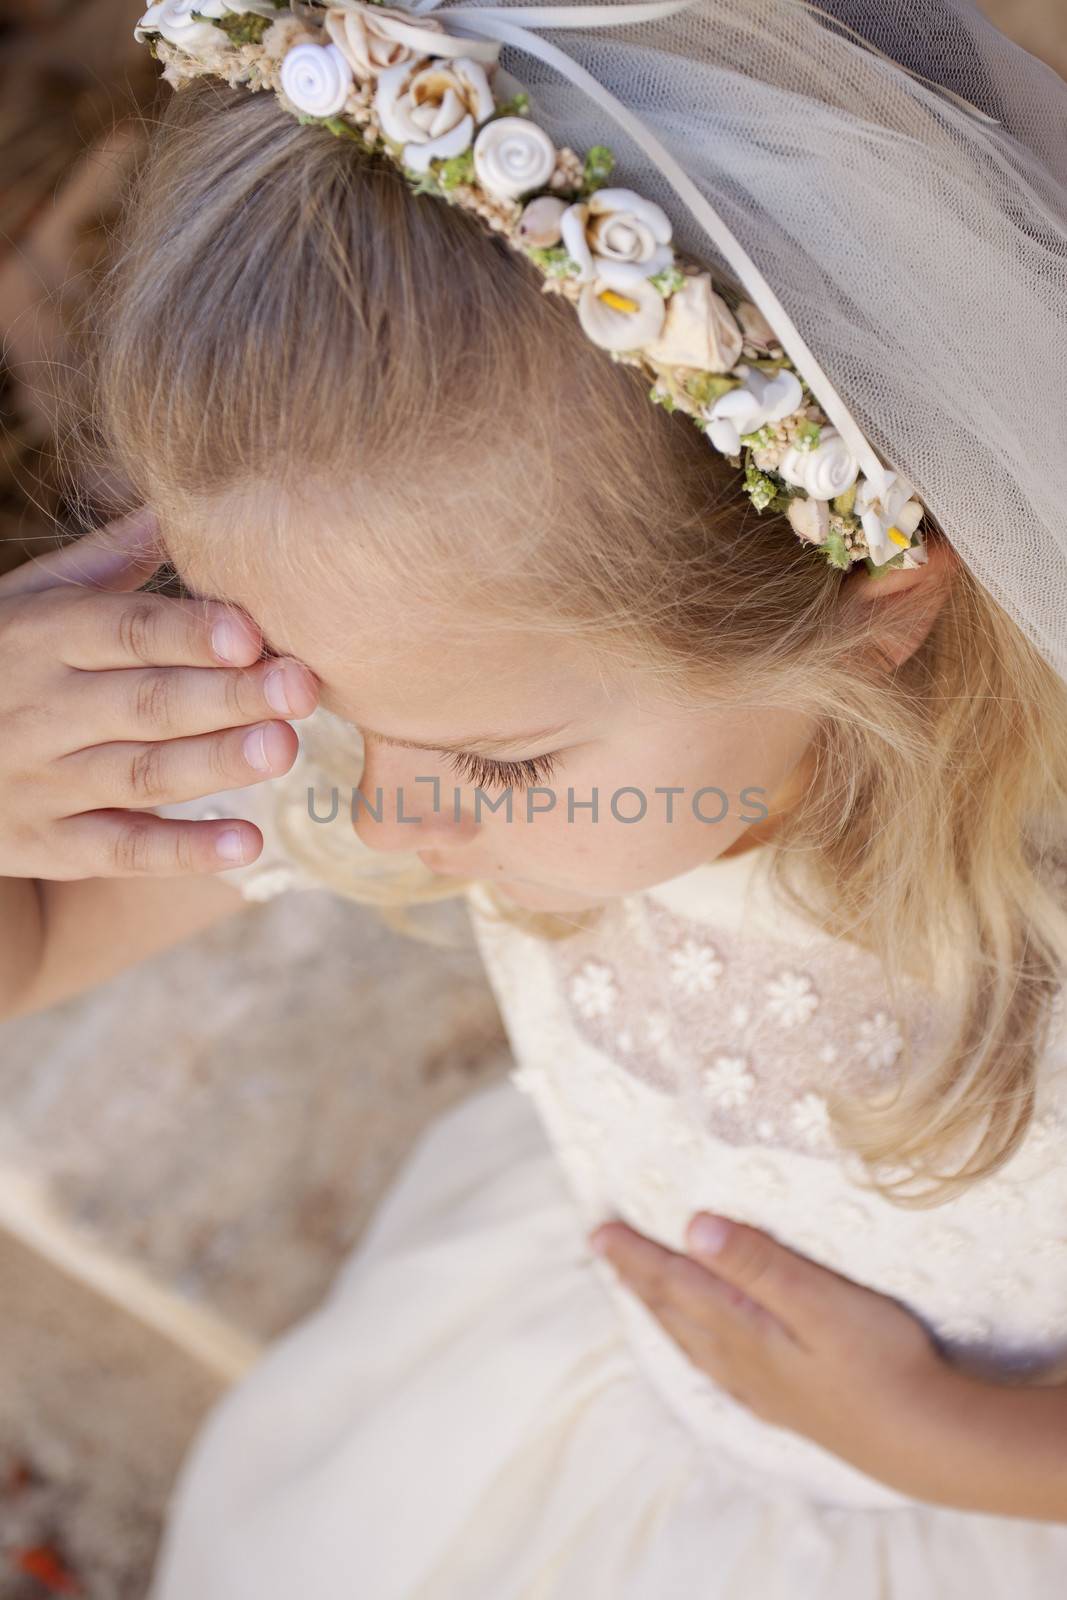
(403, 664)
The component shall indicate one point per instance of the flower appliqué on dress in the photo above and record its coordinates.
(694, 967)
(810, 1117)
(594, 990)
(739, 1029)
(728, 1082)
(791, 999)
(879, 1040)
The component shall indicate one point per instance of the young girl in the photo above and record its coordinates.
(751, 1280)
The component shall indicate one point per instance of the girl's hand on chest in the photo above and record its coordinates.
(799, 1345)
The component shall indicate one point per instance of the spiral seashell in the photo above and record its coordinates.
(512, 155)
(620, 309)
(539, 224)
(316, 78)
(824, 472)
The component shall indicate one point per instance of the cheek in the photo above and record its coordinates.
(641, 833)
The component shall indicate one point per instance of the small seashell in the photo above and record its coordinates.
(539, 225)
(755, 327)
(699, 330)
(810, 519)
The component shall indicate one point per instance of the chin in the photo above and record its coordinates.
(534, 897)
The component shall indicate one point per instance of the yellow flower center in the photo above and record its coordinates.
(618, 302)
(899, 538)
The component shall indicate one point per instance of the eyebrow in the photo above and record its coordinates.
(480, 743)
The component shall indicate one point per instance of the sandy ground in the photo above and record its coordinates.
(223, 1118)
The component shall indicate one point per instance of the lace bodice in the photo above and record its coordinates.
(678, 1056)
(743, 1033)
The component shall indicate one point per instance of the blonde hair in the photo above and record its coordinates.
(280, 304)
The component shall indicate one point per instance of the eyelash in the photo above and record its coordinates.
(486, 774)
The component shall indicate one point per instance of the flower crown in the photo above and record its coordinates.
(398, 82)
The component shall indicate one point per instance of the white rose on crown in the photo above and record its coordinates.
(372, 37)
(617, 225)
(432, 108)
(618, 241)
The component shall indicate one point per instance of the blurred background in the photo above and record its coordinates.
(187, 1153)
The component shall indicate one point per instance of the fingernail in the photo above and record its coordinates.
(228, 641)
(255, 748)
(135, 534)
(708, 1234)
(229, 846)
(276, 690)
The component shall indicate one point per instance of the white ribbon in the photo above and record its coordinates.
(513, 24)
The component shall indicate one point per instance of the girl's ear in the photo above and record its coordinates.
(902, 604)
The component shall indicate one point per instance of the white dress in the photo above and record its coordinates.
(479, 1410)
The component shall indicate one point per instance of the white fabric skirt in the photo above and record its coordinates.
(462, 1418)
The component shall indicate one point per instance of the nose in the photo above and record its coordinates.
(394, 812)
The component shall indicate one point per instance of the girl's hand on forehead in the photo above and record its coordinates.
(112, 701)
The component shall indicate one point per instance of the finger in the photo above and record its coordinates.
(666, 1281)
(799, 1292)
(171, 770)
(99, 630)
(131, 844)
(669, 1282)
(706, 1351)
(720, 1330)
(713, 1357)
(123, 553)
(154, 703)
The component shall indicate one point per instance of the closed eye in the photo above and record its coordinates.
(486, 774)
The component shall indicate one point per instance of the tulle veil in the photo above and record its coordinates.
(896, 171)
